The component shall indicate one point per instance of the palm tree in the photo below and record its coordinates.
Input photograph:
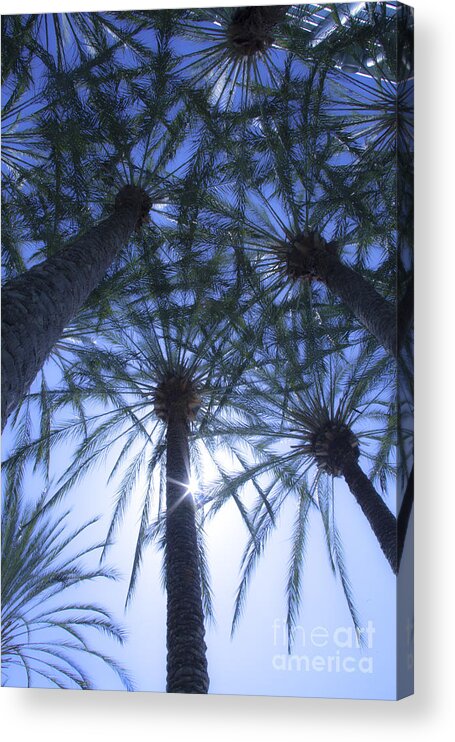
(308, 256)
(294, 195)
(330, 151)
(136, 146)
(235, 56)
(287, 253)
(37, 306)
(46, 629)
(154, 371)
(176, 403)
(324, 417)
(306, 425)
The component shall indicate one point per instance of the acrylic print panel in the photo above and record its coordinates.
(207, 350)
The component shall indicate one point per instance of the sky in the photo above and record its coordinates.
(255, 660)
(324, 661)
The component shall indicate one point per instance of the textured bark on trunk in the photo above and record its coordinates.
(186, 648)
(371, 309)
(39, 304)
(382, 521)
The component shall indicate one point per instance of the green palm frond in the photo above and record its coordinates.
(47, 627)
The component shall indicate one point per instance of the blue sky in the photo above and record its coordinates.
(255, 660)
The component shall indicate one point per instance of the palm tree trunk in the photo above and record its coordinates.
(371, 309)
(382, 521)
(39, 304)
(186, 649)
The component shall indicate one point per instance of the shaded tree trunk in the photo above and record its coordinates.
(39, 304)
(371, 309)
(186, 649)
(382, 521)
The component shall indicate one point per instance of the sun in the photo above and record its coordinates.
(193, 485)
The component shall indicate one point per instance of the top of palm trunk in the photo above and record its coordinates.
(250, 29)
(176, 396)
(331, 445)
(325, 437)
(131, 196)
(297, 254)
